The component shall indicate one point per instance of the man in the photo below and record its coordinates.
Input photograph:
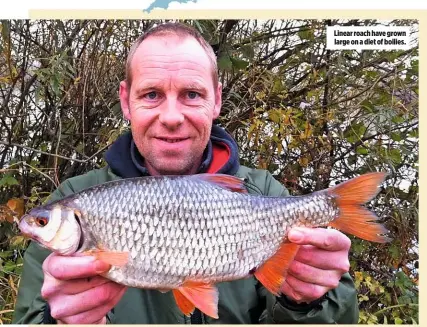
(171, 97)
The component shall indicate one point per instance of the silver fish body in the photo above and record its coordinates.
(185, 228)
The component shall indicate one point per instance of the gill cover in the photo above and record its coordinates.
(61, 232)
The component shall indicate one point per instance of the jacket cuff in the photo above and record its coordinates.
(47, 318)
(290, 304)
(110, 318)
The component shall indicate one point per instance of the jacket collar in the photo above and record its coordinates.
(220, 156)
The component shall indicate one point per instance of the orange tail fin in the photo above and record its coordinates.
(353, 218)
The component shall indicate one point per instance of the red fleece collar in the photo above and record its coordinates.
(220, 156)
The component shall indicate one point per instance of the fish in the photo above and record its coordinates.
(185, 234)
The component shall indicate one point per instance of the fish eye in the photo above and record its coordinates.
(41, 221)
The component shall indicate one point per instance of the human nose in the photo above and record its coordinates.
(171, 116)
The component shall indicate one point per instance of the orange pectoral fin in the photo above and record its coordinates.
(118, 259)
(199, 295)
(273, 272)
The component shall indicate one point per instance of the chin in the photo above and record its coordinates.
(172, 168)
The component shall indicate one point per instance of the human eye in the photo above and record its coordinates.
(153, 95)
(192, 95)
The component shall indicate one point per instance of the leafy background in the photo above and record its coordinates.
(312, 116)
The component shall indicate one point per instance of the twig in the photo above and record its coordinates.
(40, 172)
(56, 155)
(396, 306)
(6, 311)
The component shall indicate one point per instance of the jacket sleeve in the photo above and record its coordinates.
(338, 306)
(30, 307)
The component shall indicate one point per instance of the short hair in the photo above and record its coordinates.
(178, 29)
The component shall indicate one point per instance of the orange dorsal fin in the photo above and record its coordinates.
(200, 295)
(228, 182)
(353, 218)
(273, 272)
(117, 259)
(185, 305)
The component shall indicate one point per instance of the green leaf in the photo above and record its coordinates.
(306, 34)
(278, 85)
(414, 67)
(398, 119)
(398, 321)
(6, 254)
(371, 74)
(239, 63)
(9, 267)
(368, 106)
(395, 156)
(362, 150)
(396, 136)
(247, 51)
(5, 30)
(363, 297)
(8, 180)
(55, 85)
(354, 132)
(224, 63)
(274, 116)
(394, 251)
(414, 133)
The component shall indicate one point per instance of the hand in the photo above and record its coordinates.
(75, 291)
(318, 265)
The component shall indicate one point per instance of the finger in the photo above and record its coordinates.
(96, 315)
(71, 305)
(291, 293)
(323, 259)
(326, 239)
(52, 286)
(305, 291)
(313, 275)
(65, 268)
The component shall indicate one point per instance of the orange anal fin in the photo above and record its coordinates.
(113, 258)
(273, 272)
(360, 222)
(183, 303)
(228, 182)
(202, 296)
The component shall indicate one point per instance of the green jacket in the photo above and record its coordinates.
(243, 301)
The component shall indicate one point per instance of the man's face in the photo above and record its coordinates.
(171, 103)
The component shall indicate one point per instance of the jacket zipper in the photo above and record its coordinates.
(196, 317)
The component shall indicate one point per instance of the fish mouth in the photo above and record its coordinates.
(24, 226)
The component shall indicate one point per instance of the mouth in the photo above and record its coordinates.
(172, 140)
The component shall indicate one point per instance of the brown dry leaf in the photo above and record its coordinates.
(6, 214)
(13, 287)
(17, 205)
